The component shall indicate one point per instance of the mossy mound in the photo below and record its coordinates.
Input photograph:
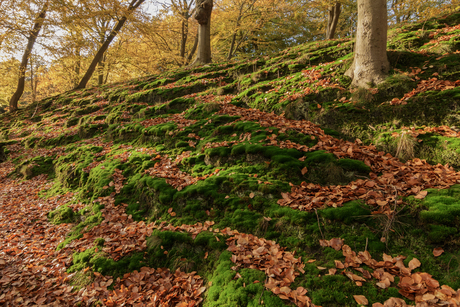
(171, 149)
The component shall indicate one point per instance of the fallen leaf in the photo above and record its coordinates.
(384, 284)
(361, 299)
(438, 251)
(414, 263)
(336, 243)
(421, 195)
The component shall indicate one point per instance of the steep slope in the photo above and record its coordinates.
(267, 182)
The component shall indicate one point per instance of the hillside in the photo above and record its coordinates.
(260, 183)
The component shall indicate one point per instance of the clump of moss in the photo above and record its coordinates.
(443, 207)
(226, 290)
(63, 214)
(36, 166)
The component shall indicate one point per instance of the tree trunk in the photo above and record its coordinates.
(100, 66)
(192, 52)
(184, 36)
(33, 82)
(232, 45)
(203, 16)
(25, 58)
(237, 26)
(100, 53)
(77, 67)
(370, 65)
(333, 20)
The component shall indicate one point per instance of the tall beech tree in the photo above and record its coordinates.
(370, 65)
(38, 23)
(203, 12)
(100, 53)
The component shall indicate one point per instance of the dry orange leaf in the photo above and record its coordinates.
(336, 243)
(285, 290)
(385, 283)
(361, 299)
(421, 195)
(414, 263)
(438, 251)
(339, 264)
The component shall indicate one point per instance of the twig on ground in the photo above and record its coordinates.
(319, 226)
(35, 110)
(260, 297)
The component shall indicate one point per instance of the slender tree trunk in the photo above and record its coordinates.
(203, 16)
(77, 67)
(33, 87)
(184, 35)
(100, 53)
(370, 65)
(333, 20)
(100, 66)
(193, 50)
(25, 57)
(232, 46)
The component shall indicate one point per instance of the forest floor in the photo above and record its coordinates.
(265, 182)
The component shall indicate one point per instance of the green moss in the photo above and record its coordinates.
(36, 166)
(225, 290)
(443, 207)
(318, 157)
(91, 216)
(63, 214)
(350, 212)
(440, 234)
(353, 165)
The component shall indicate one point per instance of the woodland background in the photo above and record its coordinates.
(163, 35)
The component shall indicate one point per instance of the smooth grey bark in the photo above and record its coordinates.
(38, 23)
(370, 64)
(203, 16)
(100, 53)
(333, 19)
